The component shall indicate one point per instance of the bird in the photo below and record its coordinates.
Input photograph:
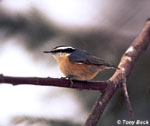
(78, 64)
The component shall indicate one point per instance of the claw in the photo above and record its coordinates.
(68, 78)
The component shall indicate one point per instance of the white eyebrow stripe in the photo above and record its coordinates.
(63, 48)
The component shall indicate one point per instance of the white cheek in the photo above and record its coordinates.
(65, 54)
(60, 55)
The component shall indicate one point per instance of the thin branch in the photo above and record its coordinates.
(127, 62)
(89, 85)
(128, 100)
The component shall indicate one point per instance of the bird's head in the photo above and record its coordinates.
(61, 51)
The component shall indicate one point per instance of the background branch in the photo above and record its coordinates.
(126, 64)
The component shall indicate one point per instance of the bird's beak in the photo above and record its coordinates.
(47, 51)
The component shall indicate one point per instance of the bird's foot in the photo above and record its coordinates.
(70, 78)
(64, 78)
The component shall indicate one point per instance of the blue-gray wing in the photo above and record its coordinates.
(81, 56)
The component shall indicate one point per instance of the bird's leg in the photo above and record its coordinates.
(70, 78)
(64, 78)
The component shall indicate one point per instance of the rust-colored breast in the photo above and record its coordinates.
(78, 71)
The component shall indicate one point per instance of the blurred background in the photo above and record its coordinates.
(104, 28)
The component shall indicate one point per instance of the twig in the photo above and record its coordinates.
(124, 84)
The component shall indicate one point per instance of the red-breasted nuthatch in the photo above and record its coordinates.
(78, 64)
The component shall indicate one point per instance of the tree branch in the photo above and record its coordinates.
(126, 65)
(89, 85)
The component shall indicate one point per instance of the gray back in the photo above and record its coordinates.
(82, 56)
